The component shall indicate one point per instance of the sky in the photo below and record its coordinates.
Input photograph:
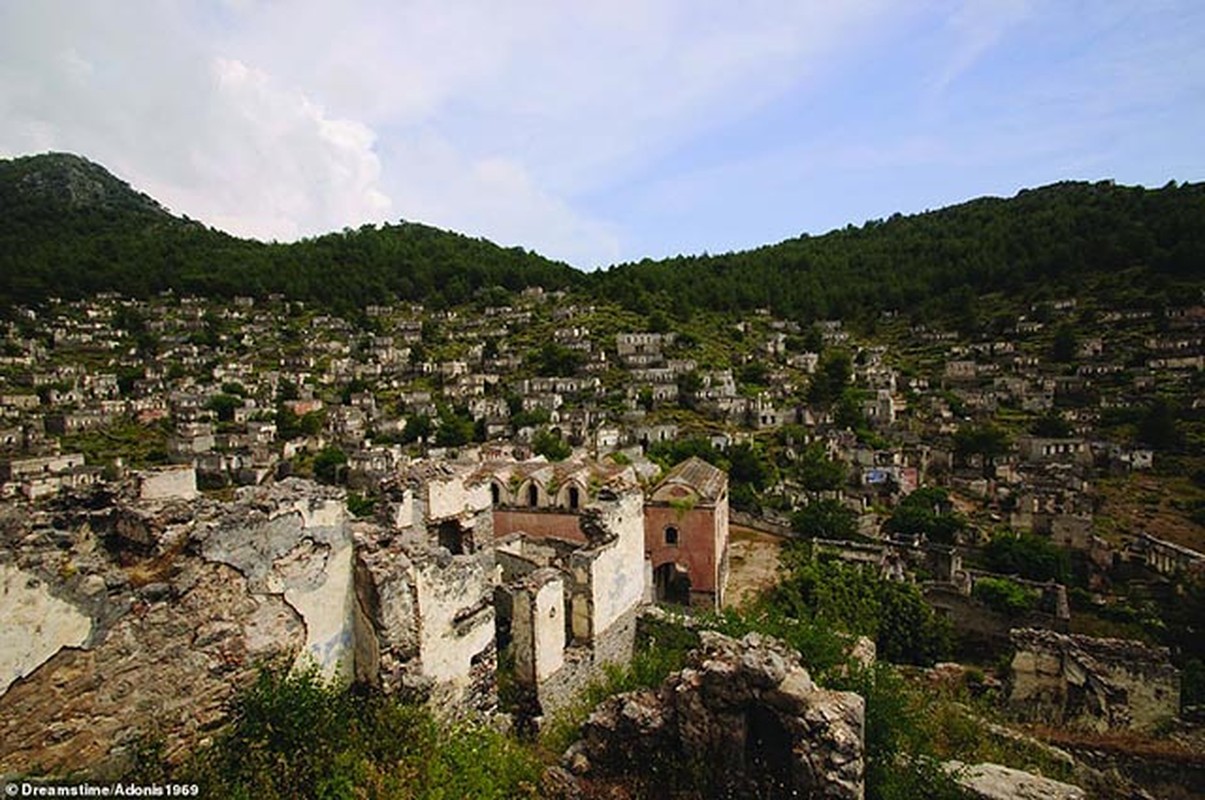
(602, 132)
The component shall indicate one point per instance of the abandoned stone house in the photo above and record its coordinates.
(544, 566)
(568, 541)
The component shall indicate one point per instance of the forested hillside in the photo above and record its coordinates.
(69, 228)
(1043, 241)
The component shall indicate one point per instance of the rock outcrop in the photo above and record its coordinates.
(1095, 684)
(994, 782)
(744, 718)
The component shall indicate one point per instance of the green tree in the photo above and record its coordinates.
(551, 445)
(825, 519)
(455, 428)
(418, 428)
(817, 472)
(1051, 426)
(689, 385)
(855, 599)
(327, 464)
(224, 406)
(1159, 427)
(927, 512)
(831, 377)
(1028, 555)
(1065, 345)
(1005, 596)
(987, 441)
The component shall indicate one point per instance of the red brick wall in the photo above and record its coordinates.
(538, 524)
(696, 542)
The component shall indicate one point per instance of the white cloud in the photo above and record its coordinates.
(977, 27)
(210, 137)
(279, 119)
(494, 197)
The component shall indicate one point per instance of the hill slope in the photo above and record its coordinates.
(69, 228)
(1054, 239)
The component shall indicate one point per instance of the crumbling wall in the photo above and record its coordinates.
(743, 716)
(614, 567)
(538, 626)
(425, 619)
(168, 483)
(594, 622)
(147, 618)
(456, 630)
(386, 613)
(167, 667)
(296, 543)
(36, 624)
(1097, 684)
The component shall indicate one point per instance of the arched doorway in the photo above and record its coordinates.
(671, 584)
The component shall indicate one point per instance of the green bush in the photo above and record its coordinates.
(295, 735)
(1028, 555)
(1005, 596)
(856, 600)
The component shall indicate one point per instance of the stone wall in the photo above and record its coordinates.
(169, 483)
(538, 625)
(425, 620)
(602, 585)
(615, 564)
(146, 619)
(582, 664)
(36, 624)
(538, 524)
(290, 542)
(1096, 684)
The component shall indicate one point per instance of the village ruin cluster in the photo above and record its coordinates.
(477, 507)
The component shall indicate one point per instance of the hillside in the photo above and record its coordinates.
(72, 229)
(1057, 239)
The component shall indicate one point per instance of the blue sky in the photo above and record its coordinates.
(602, 132)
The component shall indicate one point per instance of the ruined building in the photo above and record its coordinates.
(570, 550)
(114, 602)
(686, 534)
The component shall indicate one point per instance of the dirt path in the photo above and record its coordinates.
(752, 563)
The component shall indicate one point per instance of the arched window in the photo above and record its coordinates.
(671, 535)
(495, 493)
(533, 496)
(574, 498)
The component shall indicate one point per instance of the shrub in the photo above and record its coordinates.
(1005, 596)
(295, 735)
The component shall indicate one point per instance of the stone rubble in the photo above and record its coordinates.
(743, 712)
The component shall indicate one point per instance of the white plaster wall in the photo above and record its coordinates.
(448, 499)
(35, 626)
(446, 647)
(548, 621)
(328, 611)
(321, 513)
(617, 573)
(538, 627)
